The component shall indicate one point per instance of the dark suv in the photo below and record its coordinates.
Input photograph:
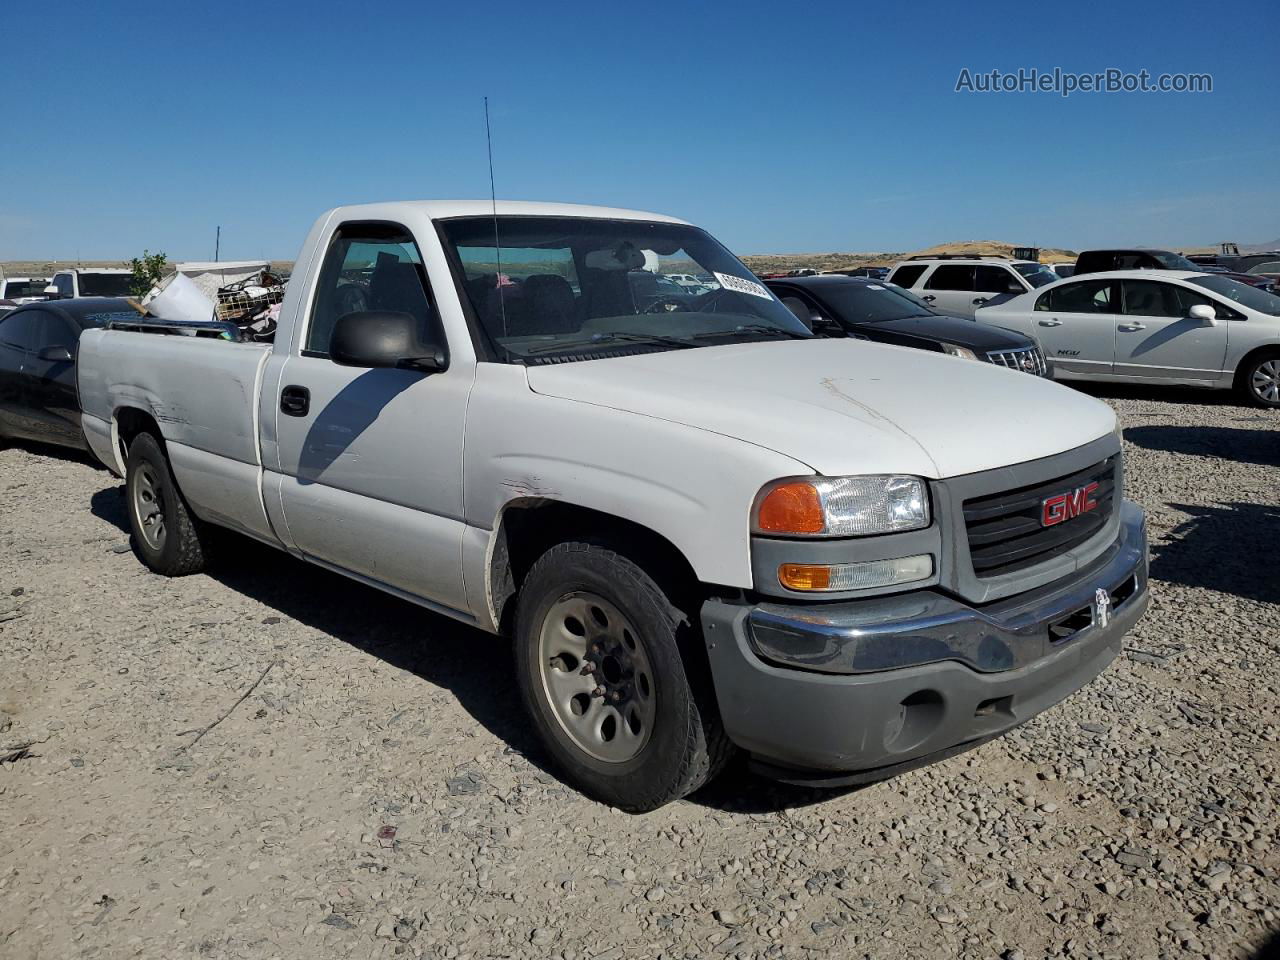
(1099, 261)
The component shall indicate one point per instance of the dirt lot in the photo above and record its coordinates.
(377, 793)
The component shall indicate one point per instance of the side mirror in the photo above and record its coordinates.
(52, 292)
(1013, 286)
(382, 338)
(800, 309)
(55, 354)
(1205, 314)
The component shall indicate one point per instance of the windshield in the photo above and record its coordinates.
(872, 302)
(559, 286)
(105, 284)
(1036, 274)
(23, 288)
(1175, 261)
(1240, 293)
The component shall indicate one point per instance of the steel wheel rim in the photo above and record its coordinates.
(1265, 381)
(148, 508)
(596, 677)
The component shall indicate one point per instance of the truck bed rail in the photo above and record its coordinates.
(207, 329)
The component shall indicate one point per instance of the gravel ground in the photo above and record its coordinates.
(376, 793)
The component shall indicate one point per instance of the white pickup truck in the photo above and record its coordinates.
(702, 527)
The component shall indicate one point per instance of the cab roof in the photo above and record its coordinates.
(444, 209)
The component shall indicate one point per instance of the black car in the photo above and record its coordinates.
(837, 306)
(38, 399)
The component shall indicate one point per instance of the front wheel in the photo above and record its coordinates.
(624, 710)
(166, 537)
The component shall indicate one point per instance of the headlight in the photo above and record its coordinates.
(842, 506)
(955, 350)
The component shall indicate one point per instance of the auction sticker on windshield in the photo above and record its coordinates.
(738, 285)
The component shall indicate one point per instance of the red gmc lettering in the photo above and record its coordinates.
(1064, 506)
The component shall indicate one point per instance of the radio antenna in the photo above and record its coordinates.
(493, 199)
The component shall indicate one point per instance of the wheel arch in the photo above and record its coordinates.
(126, 424)
(1266, 349)
(527, 527)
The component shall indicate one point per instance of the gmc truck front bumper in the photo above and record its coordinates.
(854, 692)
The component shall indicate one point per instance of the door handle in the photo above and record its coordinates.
(295, 401)
(1131, 327)
(1050, 323)
(979, 300)
(929, 298)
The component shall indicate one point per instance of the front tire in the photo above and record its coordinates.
(166, 537)
(1259, 380)
(605, 671)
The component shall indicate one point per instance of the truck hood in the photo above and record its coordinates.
(844, 406)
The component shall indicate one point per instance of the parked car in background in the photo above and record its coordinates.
(658, 507)
(1097, 261)
(839, 306)
(872, 273)
(1173, 326)
(38, 342)
(1063, 270)
(91, 282)
(958, 286)
(23, 289)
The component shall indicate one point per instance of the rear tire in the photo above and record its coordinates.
(607, 673)
(1258, 380)
(166, 536)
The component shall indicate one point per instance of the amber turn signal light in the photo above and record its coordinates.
(805, 576)
(791, 508)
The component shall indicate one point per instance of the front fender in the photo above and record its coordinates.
(692, 487)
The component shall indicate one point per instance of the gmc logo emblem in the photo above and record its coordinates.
(1064, 506)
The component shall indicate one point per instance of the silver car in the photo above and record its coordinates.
(1171, 326)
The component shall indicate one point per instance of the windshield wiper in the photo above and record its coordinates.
(609, 337)
(754, 328)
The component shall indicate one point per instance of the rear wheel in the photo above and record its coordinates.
(624, 710)
(1259, 380)
(166, 536)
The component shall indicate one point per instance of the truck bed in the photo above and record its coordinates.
(202, 393)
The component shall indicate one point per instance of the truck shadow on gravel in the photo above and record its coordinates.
(474, 666)
(1210, 550)
(1241, 444)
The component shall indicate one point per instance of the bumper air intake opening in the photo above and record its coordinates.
(1123, 592)
(998, 706)
(919, 715)
(1070, 625)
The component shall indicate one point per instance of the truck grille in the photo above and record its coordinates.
(1006, 532)
(1026, 359)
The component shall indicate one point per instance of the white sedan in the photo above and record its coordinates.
(1171, 326)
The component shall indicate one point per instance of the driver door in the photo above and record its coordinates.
(371, 459)
(1155, 337)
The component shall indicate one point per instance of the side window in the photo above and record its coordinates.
(63, 282)
(14, 330)
(994, 279)
(1188, 298)
(1149, 298)
(369, 267)
(951, 276)
(48, 330)
(1087, 296)
(908, 275)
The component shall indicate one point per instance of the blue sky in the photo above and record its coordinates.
(779, 127)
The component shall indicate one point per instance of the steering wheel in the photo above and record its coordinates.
(710, 301)
(665, 304)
